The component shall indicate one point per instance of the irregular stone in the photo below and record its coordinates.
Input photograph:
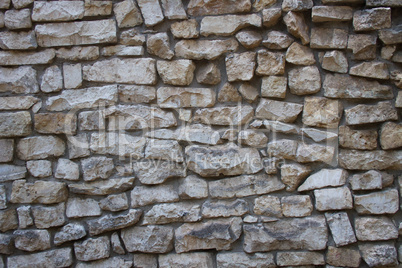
(136, 94)
(387, 52)
(83, 98)
(331, 13)
(299, 258)
(40, 168)
(324, 178)
(397, 57)
(270, 63)
(375, 228)
(151, 11)
(391, 135)
(72, 75)
(204, 49)
(276, 126)
(357, 139)
(168, 213)
(322, 112)
(364, 114)
(106, 263)
(5, 4)
(241, 259)
(79, 207)
(99, 167)
(217, 7)
(261, 4)
(216, 209)
(278, 110)
(177, 97)
(236, 66)
(314, 153)
(18, 4)
(335, 61)
(17, 103)
(342, 257)
(32, 240)
(40, 147)
(299, 55)
(391, 3)
(18, 80)
(384, 202)
(52, 80)
(391, 36)
(12, 172)
(244, 185)
(114, 222)
(249, 39)
(158, 45)
(149, 239)
(178, 72)
(18, 19)
(18, 40)
(304, 80)
(249, 92)
(3, 199)
(44, 192)
(69, 232)
(57, 11)
(224, 116)
(377, 70)
(67, 170)
(213, 161)
(79, 33)
(296, 206)
(297, 26)
(156, 172)
(131, 71)
(341, 229)
(271, 16)
(292, 5)
(123, 145)
(227, 25)
(293, 174)
(277, 40)
(116, 244)
(208, 74)
(372, 19)
(328, 38)
(363, 46)
(147, 195)
(6, 244)
(94, 120)
(186, 29)
(115, 202)
(164, 149)
(274, 86)
(379, 254)
(319, 135)
(283, 148)
(97, 8)
(55, 123)
(8, 220)
(78, 146)
(102, 187)
(127, 14)
(252, 138)
(24, 217)
(300, 233)
(92, 249)
(198, 259)
(333, 199)
(228, 93)
(197, 236)
(77, 53)
(193, 187)
(57, 257)
(365, 160)
(46, 217)
(173, 9)
(268, 205)
(132, 37)
(15, 124)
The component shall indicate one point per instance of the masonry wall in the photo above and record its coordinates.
(200, 133)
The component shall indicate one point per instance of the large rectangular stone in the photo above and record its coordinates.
(102, 187)
(76, 33)
(18, 80)
(177, 97)
(53, 258)
(365, 114)
(383, 202)
(57, 10)
(15, 124)
(18, 40)
(11, 172)
(366, 160)
(217, 7)
(204, 49)
(26, 58)
(44, 192)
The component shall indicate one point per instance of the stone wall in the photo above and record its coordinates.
(200, 133)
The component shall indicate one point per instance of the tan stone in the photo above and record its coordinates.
(299, 55)
(170, 97)
(270, 63)
(122, 50)
(278, 110)
(293, 5)
(78, 53)
(127, 14)
(342, 257)
(252, 138)
(173, 9)
(357, 139)
(391, 135)
(296, 206)
(18, 80)
(97, 8)
(177, 73)
(277, 40)
(185, 29)
(208, 74)
(132, 37)
(328, 38)
(55, 123)
(199, 259)
(322, 112)
(372, 19)
(228, 93)
(92, 249)
(268, 205)
(333, 199)
(136, 94)
(293, 174)
(375, 229)
(383, 202)
(315, 153)
(249, 92)
(240, 67)
(335, 61)
(158, 45)
(249, 39)
(271, 16)
(304, 80)
(7, 151)
(378, 70)
(297, 26)
(363, 46)
(390, 36)
(331, 13)
(151, 11)
(204, 49)
(149, 195)
(224, 116)
(43, 192)
(102, 187)
(26, 58)
(40, 168)
(227, 25)
(274, 86)
(299, 258)
(57, 11)
(363, 114)
(366, 160)
(217, 7)
(15, 124)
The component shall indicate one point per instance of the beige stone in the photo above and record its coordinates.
(371, 180)
(122, 50)
(299, 55)
(271, 16)
(55, 123)
(231, 259)
(127, 14)
(333, 199)
(46, 217)
(97, 8)
(149, 239)
(113, 222)
(261, 4)
(204, 49)
(149, 195)
(77, 53)
(228, 93)
(274, 86)
(375, 229)
(363, 46)
(297, 26)
(331, 13)
(252, 138)
(18, 80)
(55, 257)
(228, 25)
(171, 97)
(186, 29)
(324, 178)
(268, 205)
(57, 11)
(270, 63)
(15, 124)
(208, 74)
(169, 213)
(197, 259)
(26, 58)
(223, 208)
(363, 114)
(136, 94)
(390, 36)
(377, 70)
(321, 112)
(18, 40)
(366, 160)
(9, 220)
(342, 257)
(293, 5)
(92, 249)
(320, 135)
(293, 174)
(383, 202)
(249, 38)
(18, 19)
(277, 40)
(7, 150)
(159, 45)
(391, 135)
(304, 80)
(299, 258)
(40, 168)
(164, 150)
(102, 187)
(328, 38)
(177, 73)
(372, 19)
(357, 139)
(249, 92)
(341, 229)
(156, 172)
(43, 192)
(32, 240)
(296, 206)
(173, 9)
(283, 148)
(224, 116)
(193, 187)
(314, 153)
(240, 67)
(40, 147)
(277, 110)
(151, 11)
(335, 61)
(217, 7)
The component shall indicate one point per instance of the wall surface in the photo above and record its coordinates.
(200, 133)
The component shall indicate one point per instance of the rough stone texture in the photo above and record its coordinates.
(299, 258)
(32, 240)
(202, 259)
(270, 63)
(156, 172)
(297, 26)
(373, 229)
(9, 220)
(357, 139)
(324, 178)
(363, 46)
(18, 19)
(384, 202)
(240, 67)
(335, 61)
(391, 135)
(314, 153)
(331, 13)
(177, 97)
(149, 239)
(127, 14)
(193, 187)
(249, 39)
(102, 187)
(217, 7)
(328, 38)
(67, 170)
(240, 259)
(113, 222)
(293, 174)
(333, 199)
(44, 192)
(372, 19)
(268, 205)
(366, 160)
(168, 213)
(343, 257)
(92, 249)
(18, 40)
(79, 207)
(147, 195)
(228, 25)
(215, 209)
(69, 232)
(57, 11)
(283, 148)
(204, 49)
(373, 69)
(178, 73)
(46, 217)
(363, 114)
(185, 29)
(299, 55)
(224, 115)
(296, 206)
(274, 86)
(15, 124)
(158, 45)
(53, 258)
(380, 254)
(277, 110)
(304, 80)
(115, 202)
(12, 172)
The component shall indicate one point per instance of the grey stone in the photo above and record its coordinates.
(240, 67)
(156, 172)
(364, 114)
(145, 260)
(331, 13)
(178, 72)
(372, 19)
(175, 212)
(69, 232)
(43, 192)
(270, 63)
(225, 116)
(99, 167)
(391, 36)
(286, 112)
(341, 229)
(319, 135)
(241, 259)
(17, 103)
(299, 258)
(32, 240)
(217, 7)
(177, 97)
(204, 49)
(293, 5)
(328, 38)
(293, 174)
(276, 126)
(102, 187)
(97, 8)
(343, 257)
(335, 61)
(296, 206)
(215, 209)
(106, 263)
(297, 26)
(283, 148)
(116, 244)
(249, 39)
(51, 216)
(3, 197)
(78, 146)
(136, 94)
(229, 24)
(333, 199)
(268, 205)
(164, 150)
(18, 19)
(375, 228)
(193, 187)
(120, 144)
(52, 80)
(12, 172)
(173, 9)
(127, 14)
(72, 75)
(324, 178)
(271, 16)
(197, 259)
(366, 160)
(8, 220)
(67, 170)
(151, 11)
(185, 29)
(113, 222)
(77, 53)
(158, 45)
(24, 217)
(116, 202)
(149, 239)
(274, 86)
(18, 40)
(6, 244)
(79, 207)
(18, 4)
(363, 46)
(57, 11)
(53, 258)
(304, 80)
(208, 74)
(390, 3)
(18, 80)
(390, 135)
(372, 69)
(15, 124)
(383, 202)
(148, 195)
(92, 249)
(379, 254)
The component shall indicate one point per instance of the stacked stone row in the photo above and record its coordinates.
(221, 133)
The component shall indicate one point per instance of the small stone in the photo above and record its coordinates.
(52, 80)
(363, 46)
(208, 74)
(77, 53)
(277, 110)
(391, 36)
(145, 260)
(97, 8)
(231, 259)
(186, 29)
(293, 5)
(240, 67)
(374, 229)
(173, 9)
(123, 145)
(57, 11)
(69, 232)
(204, 49)
(297, 26)
(132, 37)
(149, 239)
(178, 72)
(178, 97)
(78, 146)
(384, 202)
(341, 229)
(299, 55)
(32, 240)
(252, 138)
(282, 148)
(364, 114)
(227, 25)
(293, 174)
(136, 94)
(168, 213)
(228, 93)
(127, 14)
(270, 63)
(331, 13)
(271, 16)
(276, 126)
(274, 86)
(148, 195)
(116, 244)
(328, 38)
(6, 244)
(224, 116)
(397, 57)
(277, 40)
(299, 258)
(67, 170)
(72, 75)
(115, 202)
(296, 206)
(40, 168)
(79, 207)
(377, 70)
(18, 40)
(158, 45)
(319, 135)
(342, 257)
(44, 192)
(97, 168)
(151, 11)
(261, 4)
(113, 222)
(57, 257)
(387, 52)
(372, 19)
(3, 198)
(11, 172)
(18, 80)
(249, 39)
(15, 124)
(215, 209)
(321, 112)
(324, 178)
(217, 7)
(18, 4)
(8, 220)
(18, 19)
(46, 217)
(244, 185)
(55, 123)
(24, 217)
(151, 172)
(198, 259)
(304, 80)
(268, 205)
(307, 153)
(379, 254)
(391, 135)
(92, 249)
(357, 139)
(164, 149)
(335, 61)
(249, 92)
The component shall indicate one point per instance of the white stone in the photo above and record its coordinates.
(174, 212)
(384, 202)
(40, 168)
(79, 207)
(123, 145)
(178, 97)
(40, 147)
(50, 216)
(103, 187)
(197, 259)
(240, 67)
(69, 232)
(92, 249)
(178, 72)
(147, 195)
(72, 75)
(18, 19)
(341, 229)
(286, 112)
(67, 170)
(164, 149)
(149, 239)
(224, 116)
(127, 14)
(333, 199)
(204, 49)
(270, 63)
(18, 80)
(18, 40)
(151, 11)
(57, 11)
(304, 80)
(228, 24)
(185, 29)
(52, 80)
(324, 178)
(173, 9)
(375, 229)
(193, 187)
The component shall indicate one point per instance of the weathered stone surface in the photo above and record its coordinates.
(149, 239)
(92, 249)
(297, 26)
(363, 46)
(268, 205)
(114, 222)
(57, 11)
(372, 19)
(196, 236)
(72, 74)
(176, 97)
(252, 138)
(277, 40)
(79, 33)
(217, 7)
(67, 170)
(324, 178)
(15, 124)
(208, 74)
(17, 103)
(6, 244)
(299, 55)
(333, 199)
(145, 260)
(299, 258)
(391, 36)
(249, 92)
(97, 167)
(156, 172)
(32, 240)
(3, 199)
(293, 174)
(342, 257)
(53, 258)
(69, 232)
(193, 187)
(18, 80)
(296, 206)
(240, 67)
(379, 254)
(173, 9)
(314, 153)
(364, 114)
(292, 5)
(52, 80)
(328, 38)
(151, 11)
(304, 80)
(97, 8)
(278, 110)
(372, 69)
(8, 220)
(127, 14)
(215, 209)
(40, 147)
(270, 63)
(136, 94)
(276, 126)
(24, 216)
(164, 149)
(274, 86)
(116, 244)
(305, 233)
(224, 116)
(82, 98)
(147, 195)
(357, 139)
(93, 120)
(158, 45)
(204, 49)
(366, 160)
(115, 202)
(106, 263)
(121, 144)
(80, 207)
(390, 3)
(334, 61)
(185, 29)
(198, 259)
(249, 39)
(55, 123)
(78, 146)
(45, 192)
(132, 37)
(384, 202)
(345, 86)
(46, 217)
(341, 229)
(319, 135)
(391, 135)
(240, 259)
(223, 159)
(102, 187)
(18, 40)
(228, 25)
(18, 19)
(331, 13)
(12, 172)
(245, 185)
(375, 228)
(228, 93)
(271, 16)
(77, 53)
(18, 4)
(370, 180)
(283, 148)
(178, 72)
(168, 213)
